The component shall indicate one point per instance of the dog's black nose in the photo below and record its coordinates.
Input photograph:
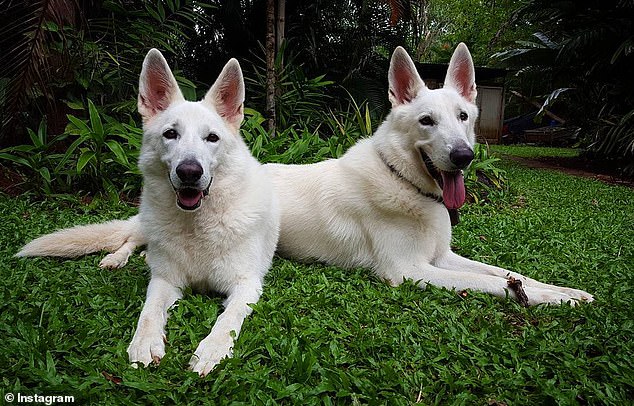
(189, 171)
(461, 156)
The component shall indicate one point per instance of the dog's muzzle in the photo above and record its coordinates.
(189, 194)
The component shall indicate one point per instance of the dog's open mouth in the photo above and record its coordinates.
(189, 198)
(451, 183)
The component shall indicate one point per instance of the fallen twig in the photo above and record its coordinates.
(516, 286)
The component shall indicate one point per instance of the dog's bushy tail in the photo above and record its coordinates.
(81, 240)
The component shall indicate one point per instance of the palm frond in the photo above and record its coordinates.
(25, 68)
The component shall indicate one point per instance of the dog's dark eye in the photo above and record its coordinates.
(170, 134)
(212, 138)
(463, 116)
(426, 120)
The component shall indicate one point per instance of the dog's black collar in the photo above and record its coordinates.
(398, 173)
(453, 213)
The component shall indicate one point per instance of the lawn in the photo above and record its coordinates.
(529, 151)
(326, 335)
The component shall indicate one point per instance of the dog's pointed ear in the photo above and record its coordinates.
(461, 73)
(403, 79)
(226, 95)
(157, 86)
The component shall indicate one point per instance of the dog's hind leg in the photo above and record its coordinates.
(120, 257)
(453, 261)
(219, 343)
(133, 238)
(148, 343)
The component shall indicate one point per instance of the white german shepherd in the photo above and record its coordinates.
(383, 205)
(208, 213)
(380, 205)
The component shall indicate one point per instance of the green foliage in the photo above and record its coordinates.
(56, 59)
(101, 151)
(100, 156)
(354, 122)
(299, 100)
(324, 335)
(295, 144)
(583, 48)
(483, 25)
(483, 177)
(110, 54)
(37, 158)
(614, 138)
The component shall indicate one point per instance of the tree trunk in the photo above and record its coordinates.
(270, 65)
(281, 23)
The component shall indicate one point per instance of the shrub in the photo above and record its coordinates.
(483, 179)
(96, 155)
(293, 145)
(298, 99)
(36, 159)
(103, 153)
(614, 139)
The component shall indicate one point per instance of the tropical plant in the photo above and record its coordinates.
(585, 47)
(60, 50)
(483, 178)
(614, 137)
(36, 158)
(298, 98)
(354, 122)
(102, 152)
(292, 145)
(98, 154)
(28, 69)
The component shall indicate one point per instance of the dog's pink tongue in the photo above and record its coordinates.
(453, 192)
(190, 198)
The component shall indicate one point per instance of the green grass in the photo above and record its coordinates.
(526, 151)
(325, 335)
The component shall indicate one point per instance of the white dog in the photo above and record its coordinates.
(380, 205)
(384, 204)
(208, 213)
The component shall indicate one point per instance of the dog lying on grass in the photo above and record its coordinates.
(208, 213)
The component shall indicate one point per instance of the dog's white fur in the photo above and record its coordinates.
(226, 244)
(357, 212)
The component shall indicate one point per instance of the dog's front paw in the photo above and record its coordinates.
(579, 295)
(547, 296)
(209, 353)
(576, 295)
(146, 348)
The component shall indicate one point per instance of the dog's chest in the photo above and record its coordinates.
(197, 251)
